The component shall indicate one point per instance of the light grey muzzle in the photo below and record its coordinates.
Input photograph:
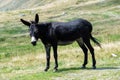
(33, 40)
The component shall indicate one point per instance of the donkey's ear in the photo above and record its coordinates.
(25, 22)
(36, 18)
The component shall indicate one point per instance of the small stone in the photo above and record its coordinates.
(114, 55)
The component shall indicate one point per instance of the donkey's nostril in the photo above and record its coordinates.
(33, 43)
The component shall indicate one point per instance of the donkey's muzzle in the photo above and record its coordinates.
(33, 40)
(33, 43)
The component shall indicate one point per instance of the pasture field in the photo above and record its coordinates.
(19, 60)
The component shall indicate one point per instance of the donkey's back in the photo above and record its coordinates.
(70, 31)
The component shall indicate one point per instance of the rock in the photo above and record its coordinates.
(114, 55)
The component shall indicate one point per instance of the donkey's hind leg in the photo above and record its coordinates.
(85, 51)
(88, 44)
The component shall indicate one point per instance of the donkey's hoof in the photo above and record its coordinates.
(94, 67)
(83, 67)
(46, 70)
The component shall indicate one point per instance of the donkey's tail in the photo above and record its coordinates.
(95, 41)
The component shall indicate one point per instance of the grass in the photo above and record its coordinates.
(16, 5)
(19, 60)
(38, 76)
(30, 66)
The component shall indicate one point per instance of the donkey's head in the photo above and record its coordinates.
(32, 29)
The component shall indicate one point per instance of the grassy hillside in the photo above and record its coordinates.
(8, 5)
(19, 60)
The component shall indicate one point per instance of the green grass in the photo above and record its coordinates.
(38, 76)
(19, 60)
(16, 5)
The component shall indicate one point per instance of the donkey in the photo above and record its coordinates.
(53, 34)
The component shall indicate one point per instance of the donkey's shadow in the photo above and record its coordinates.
(108, 68)
(68, 69)
(78, 68)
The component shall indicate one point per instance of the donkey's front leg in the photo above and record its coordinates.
(47, 48)
(55, 57)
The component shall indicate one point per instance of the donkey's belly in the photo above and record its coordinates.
(79, 40)
(65, 42)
